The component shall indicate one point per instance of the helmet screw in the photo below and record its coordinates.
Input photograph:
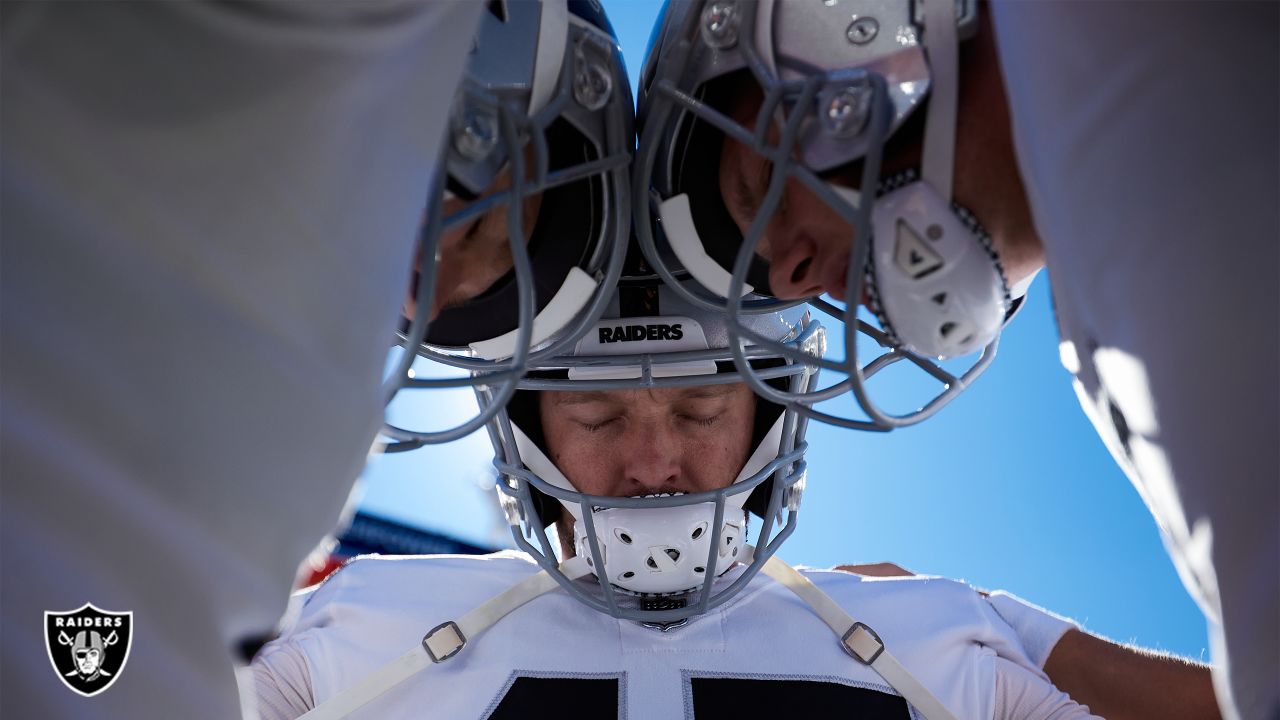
(845, 111)
(592, 86)
(862, 30)
(720, 24)
(475, 133)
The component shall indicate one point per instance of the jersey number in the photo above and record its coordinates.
(714, 698)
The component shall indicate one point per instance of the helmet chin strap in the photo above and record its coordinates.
(668, 551)
(934, 278)
(942, 46)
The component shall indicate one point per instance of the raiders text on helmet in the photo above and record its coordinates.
(631, 333)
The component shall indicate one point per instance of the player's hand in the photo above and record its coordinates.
(886, 569)
(880, 569)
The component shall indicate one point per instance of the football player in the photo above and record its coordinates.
(649, 490)
(209, 217)
(529, 230)
(925, 160)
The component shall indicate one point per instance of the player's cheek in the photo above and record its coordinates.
(589, 470)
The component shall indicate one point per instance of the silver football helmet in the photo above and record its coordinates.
(837, 79)
(663, 558)
(545, 107)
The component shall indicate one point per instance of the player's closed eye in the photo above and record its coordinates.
(593, 427)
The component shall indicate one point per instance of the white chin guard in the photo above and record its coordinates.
(662, 550)
(937, 283)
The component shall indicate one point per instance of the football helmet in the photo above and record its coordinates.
(88, 649)
(837, 79)
(663, 558)
(545, 106)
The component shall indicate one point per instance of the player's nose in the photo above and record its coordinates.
(653, 463)
(803, 267)
(810, 254)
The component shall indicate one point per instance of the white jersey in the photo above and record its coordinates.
(209, 217)
(1147, 136)
(763, 652)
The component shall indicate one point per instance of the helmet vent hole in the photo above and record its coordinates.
(946, 329)
(673, 554)
(699, 569)
(623, 536)
(697, 532)
(651, 563)
(728, 540)
(628, 575)
(735, 552)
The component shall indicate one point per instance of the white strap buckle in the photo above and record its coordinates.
(441, 647)
(862, 643)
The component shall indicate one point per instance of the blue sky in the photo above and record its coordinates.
(1008, 487)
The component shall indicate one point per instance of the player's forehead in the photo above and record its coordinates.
(564, 399)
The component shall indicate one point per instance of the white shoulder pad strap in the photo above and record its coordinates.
(442, 642)
(858, 639)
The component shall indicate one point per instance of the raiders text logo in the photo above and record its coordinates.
(631, 333)
(88, 647)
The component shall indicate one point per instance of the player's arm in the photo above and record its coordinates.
(1115, 681)
(1121, 681)
(281, 682)
(1021, 694)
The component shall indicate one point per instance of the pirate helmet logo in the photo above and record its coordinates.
(88, 647)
